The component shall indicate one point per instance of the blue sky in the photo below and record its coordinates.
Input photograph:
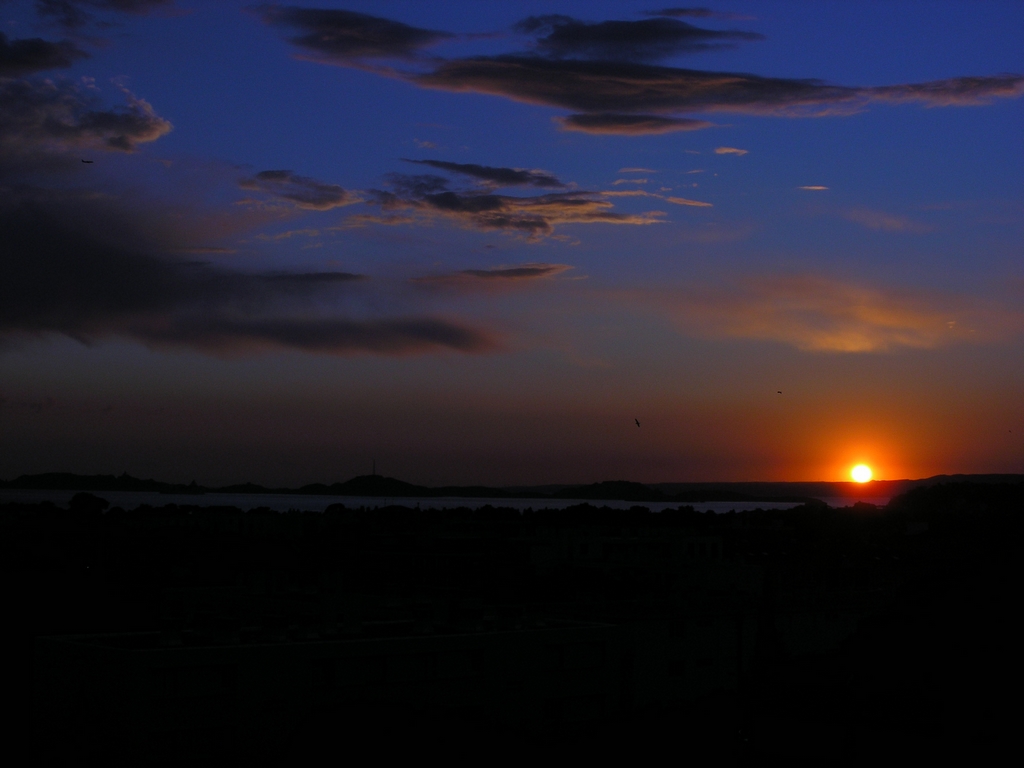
(302, 242)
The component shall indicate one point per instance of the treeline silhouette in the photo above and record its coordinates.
(165, 634)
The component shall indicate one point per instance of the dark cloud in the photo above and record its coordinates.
(21, 57)
(535, 216)
(347, 36)
(522, 272)
(596, 70)
(303, 191)
(629, 125)
(500, 177)
(619, 87)
(74, 14)
(86, 267)
(646, 40)
(304, 279)
(324, 335)
(622, 87)
(495, 277)
(45, 118)
(91, 264)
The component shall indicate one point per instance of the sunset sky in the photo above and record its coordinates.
(473, 241)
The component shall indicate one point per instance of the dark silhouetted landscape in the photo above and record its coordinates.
(472, 382)
(171, 634)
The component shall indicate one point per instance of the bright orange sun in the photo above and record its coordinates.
(861, 473)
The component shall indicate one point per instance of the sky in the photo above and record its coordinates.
(476, 242)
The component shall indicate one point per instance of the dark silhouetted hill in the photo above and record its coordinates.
(368, 485)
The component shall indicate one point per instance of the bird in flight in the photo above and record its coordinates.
(780, 391)
(87, 161)
(637, 422)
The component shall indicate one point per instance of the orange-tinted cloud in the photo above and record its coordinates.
(885, 222)
(822, 314)
(51, 118)
(430, 198)
(953, 92)
(630, 193)
(303, 191)
(684, 201)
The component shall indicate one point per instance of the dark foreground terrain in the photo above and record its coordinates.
(812, 635)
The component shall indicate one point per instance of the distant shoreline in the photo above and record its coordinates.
(378, 486)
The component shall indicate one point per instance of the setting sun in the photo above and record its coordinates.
(861, 473)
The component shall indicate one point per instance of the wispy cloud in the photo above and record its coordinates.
(643, 194)
(630, 193)
(303, 191)
(366, 219)
(814, 188)
(637, 170)
(730, 151)
(289, 234)
(430, 197)
(495, 277)
(614, 124)
(684, 201)
(821, 314)
(886, 222)
(953, 92)
(499, 177)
